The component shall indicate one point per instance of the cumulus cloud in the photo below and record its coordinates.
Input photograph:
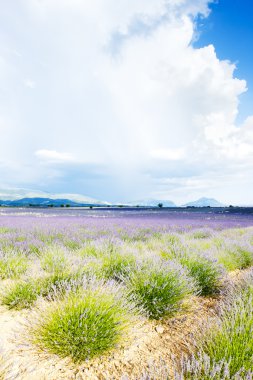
(168, 154)
(29, 83)
(120, 86)
(51, 156)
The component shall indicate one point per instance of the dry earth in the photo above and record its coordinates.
(149, 343)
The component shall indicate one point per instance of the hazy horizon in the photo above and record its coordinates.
(12, 194)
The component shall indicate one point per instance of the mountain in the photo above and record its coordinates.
(152, 203)
(204, 202)
(46, 202)
(24, 197)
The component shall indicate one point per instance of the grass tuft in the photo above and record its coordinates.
(159, 288)
(201, 234)
(206, 272)
(89, 250)
(226, 350)
(54, 260)
(115, 265)
(23, 295)
(20, 296)
(12, 266)
(232, 341)
(82, 326)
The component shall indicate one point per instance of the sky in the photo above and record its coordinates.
(125, 100)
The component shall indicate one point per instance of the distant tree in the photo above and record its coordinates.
(91, 207)
(67, 205)
(62, 205)
(160, 205)
(120, 206)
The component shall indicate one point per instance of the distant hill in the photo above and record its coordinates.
(43, 202)
(25, 197)
(46, 202)
(204, 202)
(152, 203)
(21, 197)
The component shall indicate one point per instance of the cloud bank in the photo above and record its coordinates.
(111, 99)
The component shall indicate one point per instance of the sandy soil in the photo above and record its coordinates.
(150, 342)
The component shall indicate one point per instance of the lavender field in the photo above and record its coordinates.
(122, 293)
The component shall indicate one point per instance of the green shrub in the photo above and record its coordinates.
(34, 249)
(159, 288)
(115, 265)
(206, 272)
(21, 295)
(201, 234)
(236, 257)
(24, 294)
(82, 326)
(5, 230)
(72, 244)
(172, 238)
(245, 257)
(173, 251)
(89, 250)
(54, 260)
(59, 283)
(226, 349)
(232, 340)
(12, 266)
(228, 260)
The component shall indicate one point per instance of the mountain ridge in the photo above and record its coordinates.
(16, 194)
(47, 202)
(204, 202)
(27, 197)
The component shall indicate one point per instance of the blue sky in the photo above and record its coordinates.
(127, 100)
(229, 28)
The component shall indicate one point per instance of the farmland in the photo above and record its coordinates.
(126, 293)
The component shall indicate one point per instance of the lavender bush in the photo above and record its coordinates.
(159, 288)
(86, 323)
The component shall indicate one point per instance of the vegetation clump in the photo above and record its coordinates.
(234, 256)
(23, 294)
(83, 325)
(12, 265)
(115, 265)
(159, 288)
(206, 272)
(226, 349)
(54, 260)
(20, 296)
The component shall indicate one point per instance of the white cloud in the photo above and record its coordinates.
(168, 154)
(118, 84)
(29, 83)
(232, 142)
(52, 156)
